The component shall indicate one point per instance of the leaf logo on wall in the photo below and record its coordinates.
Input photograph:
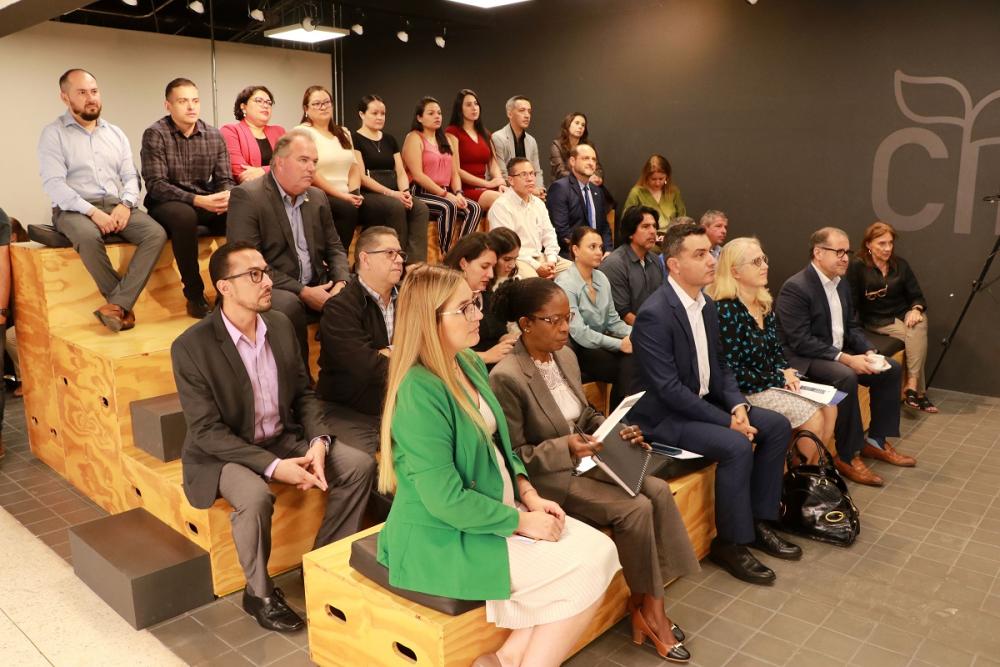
(958, 102)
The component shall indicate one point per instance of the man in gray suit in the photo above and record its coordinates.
(252, 419)
(513, 140)
(290, 222)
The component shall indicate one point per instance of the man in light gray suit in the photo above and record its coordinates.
(513, 140)
(252, 419)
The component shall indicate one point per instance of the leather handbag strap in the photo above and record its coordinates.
(826, 459)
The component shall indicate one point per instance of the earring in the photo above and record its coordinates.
(528, 330)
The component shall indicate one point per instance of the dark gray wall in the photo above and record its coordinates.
(773, 113)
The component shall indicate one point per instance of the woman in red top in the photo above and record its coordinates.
(482, 180)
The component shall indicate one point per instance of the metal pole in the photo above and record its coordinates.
(215, 82)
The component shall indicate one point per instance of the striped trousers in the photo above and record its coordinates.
(448, 215)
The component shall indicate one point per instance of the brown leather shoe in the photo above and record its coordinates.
(128, 322)
(858, 472)
(889, 455)
(111, 316)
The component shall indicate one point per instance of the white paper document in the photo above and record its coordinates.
(820, 393)
(587, 463)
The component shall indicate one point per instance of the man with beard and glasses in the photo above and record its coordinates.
(252, 419)
(88, 173)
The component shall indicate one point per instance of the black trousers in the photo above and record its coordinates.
(616, 368)
(181, 221)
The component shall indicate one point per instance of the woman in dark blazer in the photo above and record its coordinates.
(463, 502)
(539, 388)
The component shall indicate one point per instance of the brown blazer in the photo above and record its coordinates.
(538, 432)
(217, 399)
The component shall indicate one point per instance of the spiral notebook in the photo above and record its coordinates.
(625, 463)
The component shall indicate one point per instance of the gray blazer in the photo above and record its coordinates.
(257, 215)
(218, 403)
(538, 432)
(503, 148)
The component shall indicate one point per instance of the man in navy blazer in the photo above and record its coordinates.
(822, 339)
(692, 401)
(574, 201)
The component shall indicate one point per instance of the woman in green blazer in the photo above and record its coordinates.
(466, 522)
(655, 188)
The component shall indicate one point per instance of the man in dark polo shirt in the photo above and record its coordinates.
(632, 269)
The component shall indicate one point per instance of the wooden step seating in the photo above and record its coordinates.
(140, 568)
(354, 621)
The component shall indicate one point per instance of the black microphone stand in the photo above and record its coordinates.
(977, 286)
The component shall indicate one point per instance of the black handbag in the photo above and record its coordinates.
(815, 501)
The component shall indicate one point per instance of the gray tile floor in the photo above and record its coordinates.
(920, 587)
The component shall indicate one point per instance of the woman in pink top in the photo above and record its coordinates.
(250, 140)
(431, 158)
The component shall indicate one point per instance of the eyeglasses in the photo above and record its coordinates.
(525, 174)
(256, 274)
(879, 293)
(470, 310)
(321, 105)
(391, 252)
(759, 261)
(840, 252)
(263, 101)
(555, 320)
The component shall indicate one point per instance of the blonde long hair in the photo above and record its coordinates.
(417, 340)
(725, 286)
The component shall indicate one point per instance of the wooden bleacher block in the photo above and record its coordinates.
(158, 426)
(156, 487)
(354, 621)
(598, 394)
(140, 568)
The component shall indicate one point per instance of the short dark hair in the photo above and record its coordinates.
(578, 234)
(676, 234)
(632, 218)
(177, 83)
(821, 237)
(64, 79)
(369, 237)
(515, 299)
(468, 248)
(514, 161)
(218, 263)
(503, 240)
(245, 96)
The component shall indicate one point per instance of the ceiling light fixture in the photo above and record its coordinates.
(439, 39)
(488, 4)
(358, 29)
(306, 32)
(131, 3)
(751, 2)
(197, 7)
(404, 33)
(256, 14)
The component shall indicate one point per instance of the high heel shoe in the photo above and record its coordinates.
(679, 634)
(641, 631)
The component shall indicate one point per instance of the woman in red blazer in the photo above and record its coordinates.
(250, 140)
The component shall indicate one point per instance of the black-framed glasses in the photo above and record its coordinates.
(839, 252)
(525, 174)
(256, 274)
(879, 293)
(759, 261)
(392, 252)
(469, 310)
(263, 101)
(555, 320)
(321, 105)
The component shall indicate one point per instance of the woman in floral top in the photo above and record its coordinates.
(749, 333)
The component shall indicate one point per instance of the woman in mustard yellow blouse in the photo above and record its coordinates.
(466, 522)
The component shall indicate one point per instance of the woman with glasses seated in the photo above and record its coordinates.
(890, 302)
(383, 180)
(466, 521)
(749, 333)
(430, 156)
(482, 180)
(250, 139)
(599, 337)
(548, 417)
(338, 173)
(475, 258)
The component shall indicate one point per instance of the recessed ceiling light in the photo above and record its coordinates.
(488, 4)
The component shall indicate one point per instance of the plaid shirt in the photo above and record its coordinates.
(176, 168)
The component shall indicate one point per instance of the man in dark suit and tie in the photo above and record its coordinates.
(822, 339)
(692, 401)
(574, 201)
(252, 419)
(290, 222)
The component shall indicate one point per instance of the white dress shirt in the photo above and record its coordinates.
(694, 312)
(836, 310)
(530, 221)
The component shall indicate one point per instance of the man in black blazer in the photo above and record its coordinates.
(692, 401)
(574, 201)
(822, 339)
(290, 222)
(252, 419)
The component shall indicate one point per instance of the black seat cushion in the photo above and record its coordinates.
(363, 559)
(887, 346)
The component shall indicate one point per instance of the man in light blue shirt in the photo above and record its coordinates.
(87, 171)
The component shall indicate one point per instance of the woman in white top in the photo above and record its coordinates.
(338, 173)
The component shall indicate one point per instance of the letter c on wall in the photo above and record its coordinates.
(934, 146)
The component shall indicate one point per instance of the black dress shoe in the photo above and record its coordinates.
(198, 308)
(739, 562)
(773, 544)
(272, 612)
